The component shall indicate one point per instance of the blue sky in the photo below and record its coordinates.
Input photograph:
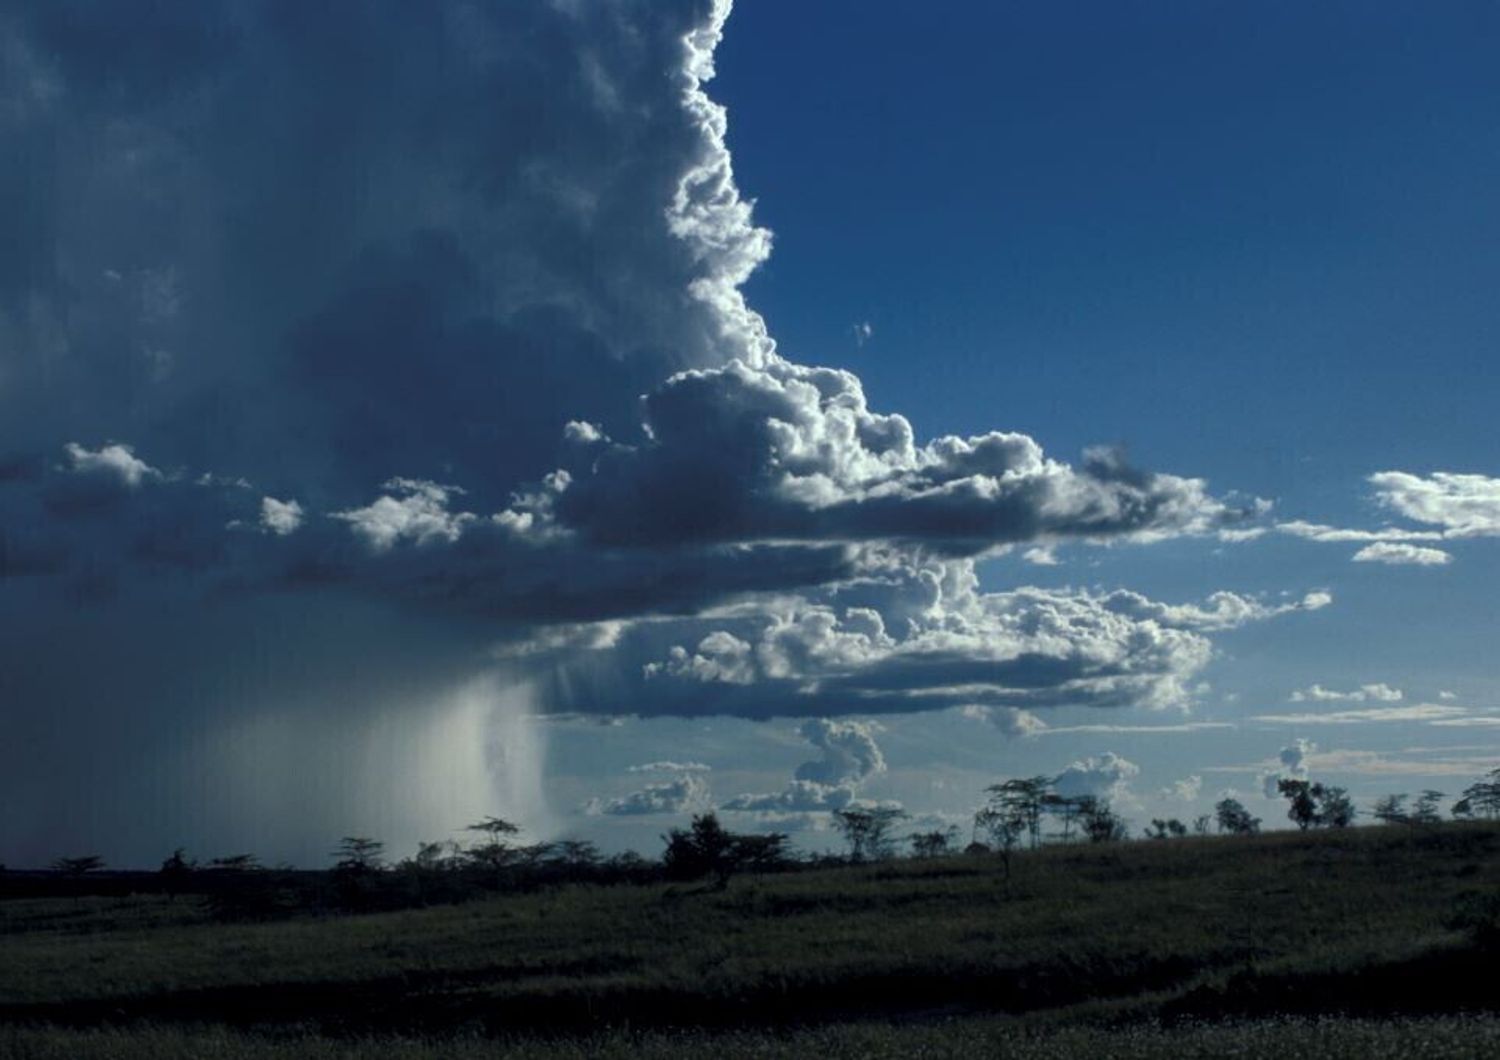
(410, 416)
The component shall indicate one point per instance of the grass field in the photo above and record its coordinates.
(1330, 944)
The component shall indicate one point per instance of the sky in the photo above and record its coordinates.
(597, 414)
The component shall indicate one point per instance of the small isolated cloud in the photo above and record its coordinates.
(1187, 789)
(1447, 695)
(1012, 721)
(1377, 692)
(686, 794)
(279, 517)
(1040, 556)
(670, 767)
(862, 332)
(1105, 776)
(1395, 553)
(113, 460)
(583, 432)
(414, 510)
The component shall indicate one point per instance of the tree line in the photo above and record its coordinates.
(1018, 813)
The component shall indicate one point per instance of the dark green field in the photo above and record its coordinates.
(1362, 942)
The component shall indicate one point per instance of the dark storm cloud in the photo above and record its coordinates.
(427, 318)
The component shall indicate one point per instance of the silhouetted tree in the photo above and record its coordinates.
(78, 867)
(1168, 829)
(1026, 796)
(492, 854)
(1391, 809)
(1425, 809)
(867, 830)
(235, 863)
(932, 844)
(1202, 823)
(1481, 799)
(708, 848)
(358, 854)
(1068, 810)
(1005, 823)
(1100, 823)
(1232, 817)
(1335, 808)
(1303, 810)
(175, 873)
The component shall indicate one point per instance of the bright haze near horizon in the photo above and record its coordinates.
(594, 414)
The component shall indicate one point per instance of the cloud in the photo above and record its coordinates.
(862, 332)
(1430, 712)
(1178, 728)
(669, 767)
(1186, 790)
(113, 460)
(280, 517)
(1402, 554)
(418, 512)
(848, 756)
(925, 637)
(1458, 505)
(1378, 691)
(1224, 610)
(1291, 765)
(686, 794)
(1463, 505)
(1012, 721)
(1105, 776)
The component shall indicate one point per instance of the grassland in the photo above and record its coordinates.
(1345, 943)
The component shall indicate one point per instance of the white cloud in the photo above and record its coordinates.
(115, 460)
(670, 767)
(848, 757)
(418, 512)
(1400, 554)
(1104, 776)
(688, 793)
(280, 517)
(1463, 505)
(1378, 692)
(1429, 712)
(1187, 789)
(1012, 721)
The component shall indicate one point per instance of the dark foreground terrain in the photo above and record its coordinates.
(1368, 942)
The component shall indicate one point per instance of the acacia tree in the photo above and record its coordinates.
(867, 830)
(1026, 797)
(1100, 823)
(1391, 809)
(491, 854)
(932, 844)
(358, 855)
(1232, 817)
(1481, 799)
(78, 867)
(1170, 828)
(708, 848)
(1005, 823)
(1425, 809)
